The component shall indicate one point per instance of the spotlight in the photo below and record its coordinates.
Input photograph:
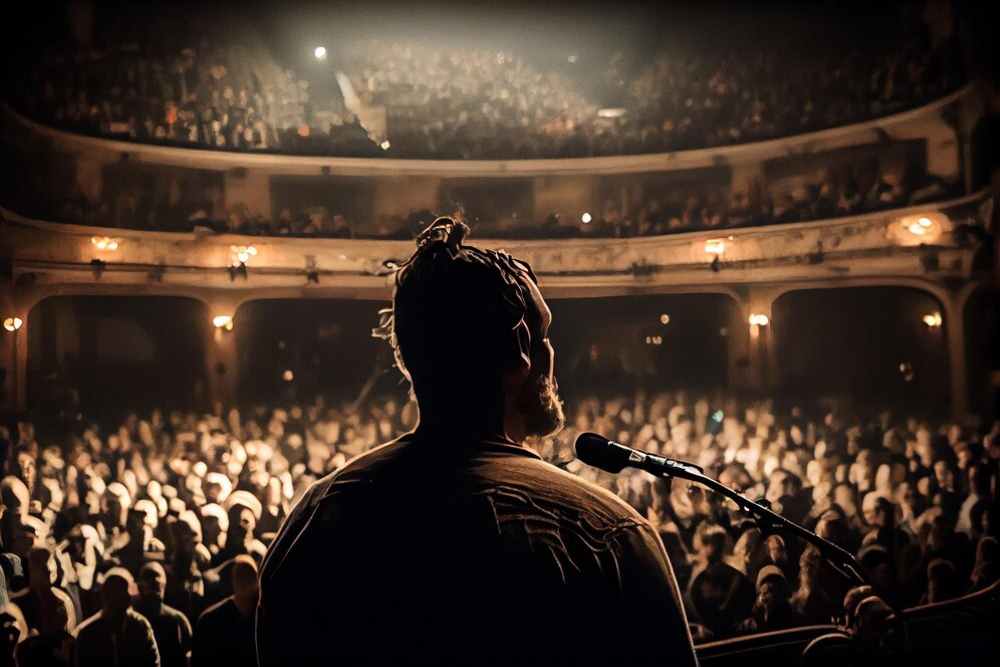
(320, 53)
(223, 322)
(932, 320)
(12, 324)
(586, 218)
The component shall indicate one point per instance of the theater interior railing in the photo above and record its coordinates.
(962, 631)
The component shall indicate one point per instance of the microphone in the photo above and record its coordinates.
(610, 456)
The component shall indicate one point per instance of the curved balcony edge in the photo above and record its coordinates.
(201, 158)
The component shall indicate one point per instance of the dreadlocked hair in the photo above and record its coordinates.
(455, 311)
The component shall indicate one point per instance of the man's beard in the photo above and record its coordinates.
(541, 407)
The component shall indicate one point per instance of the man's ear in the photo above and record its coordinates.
(522, 346)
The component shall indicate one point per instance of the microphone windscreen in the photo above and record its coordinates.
(596, 450)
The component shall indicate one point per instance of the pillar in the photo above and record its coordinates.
(954, 326)
(221, 358)
(14, 353)
(753, 364)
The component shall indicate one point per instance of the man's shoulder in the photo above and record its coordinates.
(219, 608)
(87, 626)
(176, 614)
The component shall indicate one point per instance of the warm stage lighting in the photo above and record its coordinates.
(223, 322)
(12, 324)
(932, 320)
(320, 52)
(586, 218)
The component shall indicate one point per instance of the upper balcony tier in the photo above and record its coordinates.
(928, 120)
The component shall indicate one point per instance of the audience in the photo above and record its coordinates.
(185, 503)
(210, 89)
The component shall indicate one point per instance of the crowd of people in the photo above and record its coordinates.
(141, 537)
(446, 101)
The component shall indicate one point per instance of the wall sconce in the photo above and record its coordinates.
(715, 247)
(223, 322)
(932, 320)
(12, 324)
(105, 243)
(239, 255)
(759, 319)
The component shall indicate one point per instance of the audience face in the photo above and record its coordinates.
(153, 581)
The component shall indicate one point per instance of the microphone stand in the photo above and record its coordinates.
(770, 522)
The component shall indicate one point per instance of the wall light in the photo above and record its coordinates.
(932, 320)
(664, 319)
(105, 243)
(223, 322)
(715, 246)
(320, 52)
(586, 218)
(12, 324)
(385, 145)
(241, 254)
(288, 375)
(759, 319)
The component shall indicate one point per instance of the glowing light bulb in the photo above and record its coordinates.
(223, 322)
(917, 229)
(932, 320)
(664, 319)
(385, 145)
(320, 52)
(925, 222)
(288, 375)
(586, 218)
(12, 324)
(715, 246)
(759, 319)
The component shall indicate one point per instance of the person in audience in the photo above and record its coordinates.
(773, 609)
(170, 627)
(117, 634)
(225, 631)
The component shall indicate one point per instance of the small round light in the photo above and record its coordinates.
(925, 222)
(12, 324)
(932, 320)
(320, 52)
(586, 218)
(385, 145)
(759, 319)
(664, 319)
(917, 229)
(288, 375)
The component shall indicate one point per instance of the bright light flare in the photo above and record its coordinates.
(105, 243)
(759, 319)
(586, 218)
(12, 324)
(932, 320)
(664, 319)
(715, 246)
(223, 322)
(320, 53)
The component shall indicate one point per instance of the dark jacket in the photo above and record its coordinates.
(435, 551)
(131, 644)
(171, 629)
